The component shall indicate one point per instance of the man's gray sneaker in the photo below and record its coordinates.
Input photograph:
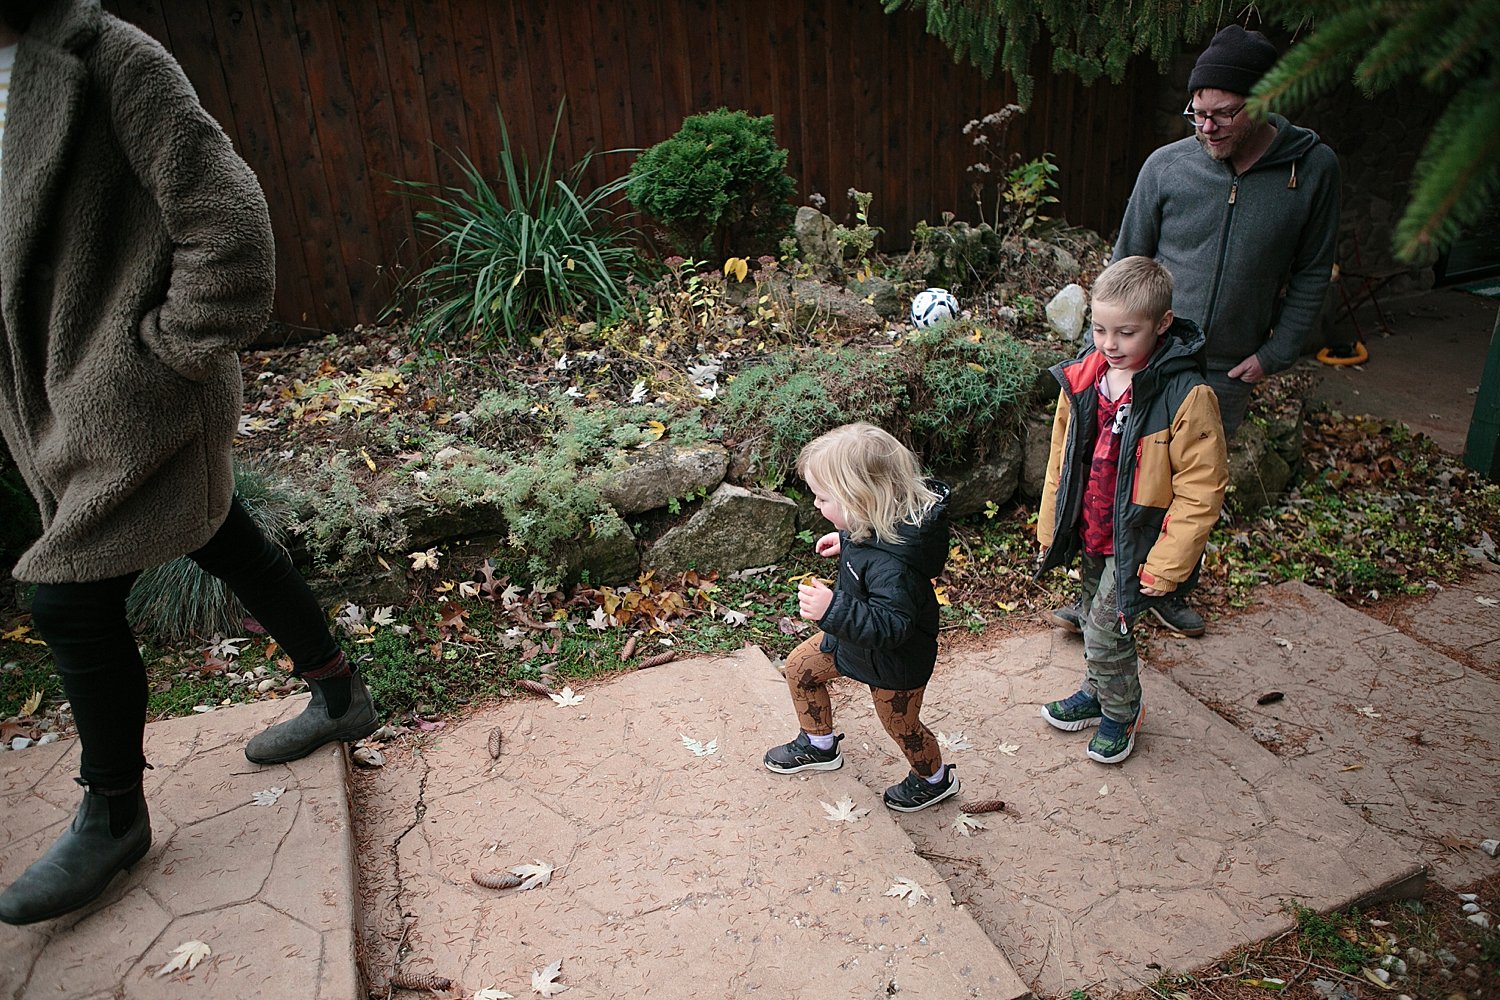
(1173, 612)
(300, 736)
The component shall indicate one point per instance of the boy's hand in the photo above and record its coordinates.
(1153, 592)
(813, 599)
(829, 545)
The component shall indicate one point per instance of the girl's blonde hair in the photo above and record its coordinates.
(875, 478)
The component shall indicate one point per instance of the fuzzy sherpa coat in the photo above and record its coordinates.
(135, 258)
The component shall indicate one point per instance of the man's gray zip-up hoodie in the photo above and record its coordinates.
(1232, 241)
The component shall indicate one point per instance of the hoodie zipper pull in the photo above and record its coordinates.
(1124, 628)
(1234, 188)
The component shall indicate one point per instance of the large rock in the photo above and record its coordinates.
(1065, 312)
(649, 478)
(1257, 474)
(1036, 448)
(609, 554)
(811, 301)
(993, 480)
(882, 295)
(815, 240)
(736, 528)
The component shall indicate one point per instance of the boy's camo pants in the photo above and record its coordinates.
(1111, 670)
(808, 672)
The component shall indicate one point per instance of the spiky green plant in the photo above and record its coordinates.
(506, 258)
(176, 600)
(1447, 46)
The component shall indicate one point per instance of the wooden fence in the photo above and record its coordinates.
(332, 102)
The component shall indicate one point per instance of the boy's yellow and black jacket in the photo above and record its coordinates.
(882, 625)
(1172, 476)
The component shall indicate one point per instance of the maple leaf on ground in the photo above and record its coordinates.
(908, 890)
(188, 955)
(1009, 749)
(493, 994)
(423, 560)
(225, 648)
(534, 876)
(736, 618)
(700, 749)
(844, 811)
(566, 697)
(965, 825)
(544, 981)
(384, 616)
(268, 796)
(31, 704)
(510, 595)
(599, 620)
(958, 741)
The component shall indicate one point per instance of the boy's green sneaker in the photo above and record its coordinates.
(1114, 740)
(1077, 711)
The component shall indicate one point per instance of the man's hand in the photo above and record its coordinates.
(828, 546)
(813, 599)
(1249, 370)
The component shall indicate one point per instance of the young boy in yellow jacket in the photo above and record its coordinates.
(1135, 481)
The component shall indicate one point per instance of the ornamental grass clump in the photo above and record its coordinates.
(505, 259)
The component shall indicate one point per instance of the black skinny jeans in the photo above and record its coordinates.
(95, 652)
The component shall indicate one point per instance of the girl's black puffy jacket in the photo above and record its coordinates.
(882, 625)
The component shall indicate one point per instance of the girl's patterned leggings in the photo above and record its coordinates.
(808, 672)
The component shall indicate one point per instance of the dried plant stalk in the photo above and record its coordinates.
(496, 880)
(983, 806)
(535, 687)
(495, 743)
(659, 659)
(418, 981)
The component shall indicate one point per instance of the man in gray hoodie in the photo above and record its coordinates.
(1245, 215)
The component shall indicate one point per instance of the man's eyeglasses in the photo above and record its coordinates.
(1221, 119)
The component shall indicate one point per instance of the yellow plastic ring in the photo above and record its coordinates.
(1360, 356)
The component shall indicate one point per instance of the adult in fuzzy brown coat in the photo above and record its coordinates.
(135, 258)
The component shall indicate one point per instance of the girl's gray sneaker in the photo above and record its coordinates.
(801, 755)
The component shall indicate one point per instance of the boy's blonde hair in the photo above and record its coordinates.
(1139, 284)
(875, 478)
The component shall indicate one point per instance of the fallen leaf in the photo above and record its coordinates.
(598, 620)
(1374, 976)
(1103, 789)
(534, 876)
(1352, 767)
(941, 593)
(908, 890)
(189, 954)
(1268, 983)
(31, 704)
(226, 649)
(424, 560)
(700, 749)
(965, 825)
(493, 994)
(267, 796)
(845, 811)
(1009, 749)
(736, 618)
(1284, 644)
(955, 742)
(384, 616)
(544, 981)
(1368, 711)
(567, 697)
(1488, 602)
(368, 757)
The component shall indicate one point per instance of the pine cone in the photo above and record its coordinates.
(496, 880)
(535, 687)
(418, 981)
(495, 743)
(983, 806)
(658, 659)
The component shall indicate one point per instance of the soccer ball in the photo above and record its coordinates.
(932, 306)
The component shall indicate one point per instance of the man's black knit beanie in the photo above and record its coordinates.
(1234, 61)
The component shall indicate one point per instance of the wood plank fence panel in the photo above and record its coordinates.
(332, 102)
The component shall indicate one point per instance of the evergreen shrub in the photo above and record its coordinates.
(718, 185)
